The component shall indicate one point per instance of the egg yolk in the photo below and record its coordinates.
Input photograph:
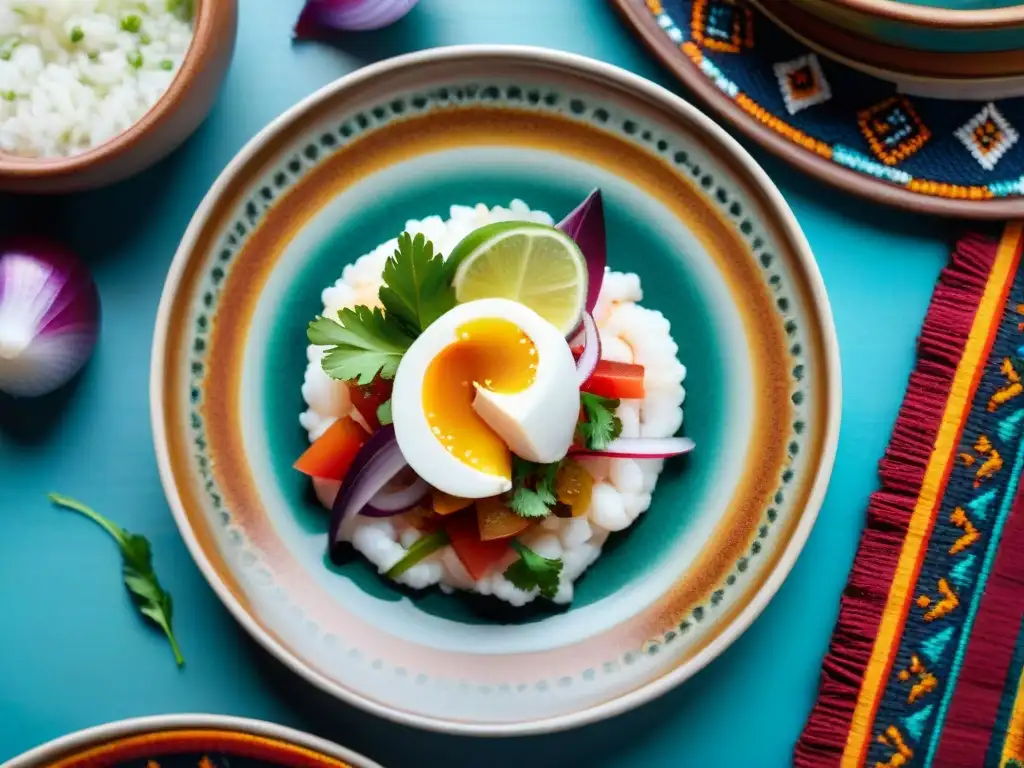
(491, 353)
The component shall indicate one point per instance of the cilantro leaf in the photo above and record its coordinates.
(601, 425)
(529, 503)
(364, 343)
(384, 413)
(533, 488)
(533, 571)
(137, 570)
(417, 284)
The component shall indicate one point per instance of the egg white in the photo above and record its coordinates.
(536, 423)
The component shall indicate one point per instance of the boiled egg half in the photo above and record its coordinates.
(487, 379)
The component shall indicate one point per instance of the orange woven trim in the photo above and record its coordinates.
(954, 191)
(655, 7)
(154, 745)
(795, 135)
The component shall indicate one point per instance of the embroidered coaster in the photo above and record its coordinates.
(925, 666)
(861, 132)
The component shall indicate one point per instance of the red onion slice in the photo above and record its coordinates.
(389, 502)
(642, 448)
(591, 349)
(376, 464)
(585, 225)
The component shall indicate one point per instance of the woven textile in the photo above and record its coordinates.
(945, 148)
(926, 664)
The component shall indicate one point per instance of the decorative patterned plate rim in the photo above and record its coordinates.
(932, 16)
(643, 23)
(702, 126)
(79, 741)
(802, 26)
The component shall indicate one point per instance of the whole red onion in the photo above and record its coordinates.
(349, 15)
(49, 316)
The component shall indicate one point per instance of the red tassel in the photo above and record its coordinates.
(901, 471)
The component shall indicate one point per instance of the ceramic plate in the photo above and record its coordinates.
(718, 252)
(970, 26)
(989, 72)
(190, 741)
(925, 144)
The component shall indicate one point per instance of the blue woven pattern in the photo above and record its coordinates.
(851, 118)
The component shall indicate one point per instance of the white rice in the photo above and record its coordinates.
(623, 487)
(76, 73)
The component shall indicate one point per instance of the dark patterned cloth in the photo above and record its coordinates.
(952, 149)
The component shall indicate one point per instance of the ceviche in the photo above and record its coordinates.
(487, 402)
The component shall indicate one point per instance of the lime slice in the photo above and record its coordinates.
(534, 264)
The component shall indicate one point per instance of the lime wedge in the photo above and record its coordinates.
(533, 264)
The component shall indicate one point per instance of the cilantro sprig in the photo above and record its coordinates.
(533, 488)
(532, 571)
(363, 342)
(417, 284)
(137, 569)
(600, 425)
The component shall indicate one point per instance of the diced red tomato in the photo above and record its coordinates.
(368, 398)
(619, 381)
(477, 556)
(332, 454)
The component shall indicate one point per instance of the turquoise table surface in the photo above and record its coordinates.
(72, 652)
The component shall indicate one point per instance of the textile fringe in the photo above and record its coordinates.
(901, 471)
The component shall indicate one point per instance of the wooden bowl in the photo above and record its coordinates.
(936, 25)
(168, 123)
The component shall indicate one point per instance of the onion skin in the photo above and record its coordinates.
(319, 16)
(41, 353)
(585, 225)
(377, 462)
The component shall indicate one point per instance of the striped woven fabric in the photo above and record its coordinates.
(925, 666)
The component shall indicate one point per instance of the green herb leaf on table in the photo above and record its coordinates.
(363, 342)
(417, 284)
(384, 413)
(137, 569)
(533, 571)
(533, 488)
(601, 425)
